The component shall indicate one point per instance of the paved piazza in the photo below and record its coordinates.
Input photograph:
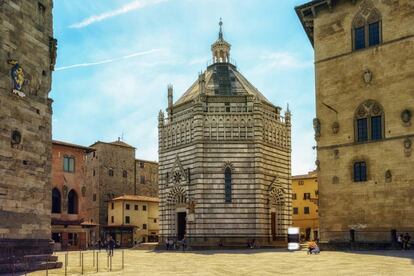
(244, 262)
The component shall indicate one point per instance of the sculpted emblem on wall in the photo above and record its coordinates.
(317, 128)
(17, 76)
(406, 117)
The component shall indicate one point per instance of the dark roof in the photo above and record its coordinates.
(137, 198)
(308, 11)
(61, 143)
(222, 79)
(146, 161)
(312, 174)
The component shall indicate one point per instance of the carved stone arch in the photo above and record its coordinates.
(374, 16)
(177, 195)
(359, 21)
(369, 108)
(277, 197)
(228, 165)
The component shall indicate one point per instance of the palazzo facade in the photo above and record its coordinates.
(364, 64)
(224, 161)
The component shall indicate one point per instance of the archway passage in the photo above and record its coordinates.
(181, 225)
(56, 201)
(73, 202)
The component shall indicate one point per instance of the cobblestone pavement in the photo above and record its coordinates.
(243, 262)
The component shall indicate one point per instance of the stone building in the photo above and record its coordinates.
(224, 157)
(27, 59)
(364, 63)
(116, 172)
(74, 205)
(305, 198)
(133, 219)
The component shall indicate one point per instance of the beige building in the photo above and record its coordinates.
(305, 198)
(364, 63)
(225, 161)
(27, 59)
(133, 219)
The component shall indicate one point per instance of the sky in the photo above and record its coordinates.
(117, 57)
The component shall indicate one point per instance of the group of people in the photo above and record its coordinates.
(313, 248)
(170, 244)
(404, 241)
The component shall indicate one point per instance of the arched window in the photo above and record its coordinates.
(360, 171)
(369, 122)
(72, 202)
(366, 28)
(56, 201)
(227, 184)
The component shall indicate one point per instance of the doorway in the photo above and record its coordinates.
(273, 225)
(181, 224)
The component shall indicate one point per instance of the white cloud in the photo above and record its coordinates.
(134, 5)
(87, 64)
(284, 60)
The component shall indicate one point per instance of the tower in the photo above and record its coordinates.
(224, 161)
(27, 59)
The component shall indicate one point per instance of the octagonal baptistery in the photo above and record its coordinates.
(225, 162)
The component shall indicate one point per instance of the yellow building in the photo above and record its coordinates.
(305, 205)
(133, 219)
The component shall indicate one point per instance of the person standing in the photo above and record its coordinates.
(184, 243)
(406, 241)
(111, 246)
(400, 241)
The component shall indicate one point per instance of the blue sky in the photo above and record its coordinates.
(116, 58)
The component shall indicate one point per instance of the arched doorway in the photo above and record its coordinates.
(73, 204)
(56, 201)
(177, 201)
(277, 213)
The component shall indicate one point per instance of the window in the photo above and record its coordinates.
(144, 226)
(125, 174)
(301, 182)
(376, 129)
(155, 220)
(360, 171)
(366, 29)
(295, 210)
(94, 197)
(112, 219)
(306, 196)
(306, 210)
(72, 239)
(362, 129)
(369, 122)
(316, 192)
(56, 201)
(41, 10)
(293, 196)
(141, 165)
(142, 179)
(359, 38)
(93, 172)
(227, 185)
(374, 34)
(72, 202)
(126, 219)
(127, 206)
(111, 172)
(144, 207)
(68, 164)
(112, 206)
(136, 207)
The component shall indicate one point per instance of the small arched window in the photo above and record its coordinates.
(227, 184)
(56, 201)
(360, 171)
(73, 204)
(369, 122)
(367, 29)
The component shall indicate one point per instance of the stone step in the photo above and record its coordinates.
(29, 266)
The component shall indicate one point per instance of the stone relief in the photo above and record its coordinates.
(17, 76)
(318, 163)
(53, 52)
(16, 137)
(407, 147)
(317, 128)
(367, 76)
(335, 128)
(388, 176)
(406, 117)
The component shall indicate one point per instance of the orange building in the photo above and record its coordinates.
(74, 210)
(305, 205)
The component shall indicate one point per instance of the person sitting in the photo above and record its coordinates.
(311, 246)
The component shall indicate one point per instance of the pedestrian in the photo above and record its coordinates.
(400, 241)
(111, 246)
(167, 243)
(184, 243)
(311, 246)
(406, 241)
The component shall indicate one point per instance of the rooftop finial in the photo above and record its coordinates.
(221, 30)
